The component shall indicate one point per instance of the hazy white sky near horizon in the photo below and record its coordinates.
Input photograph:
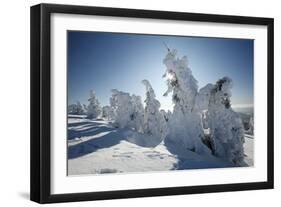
(104, 61)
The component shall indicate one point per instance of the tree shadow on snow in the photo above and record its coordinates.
(188, 159)
(112, 138)
(142, 140)
(84, 123)
(76, 116)
(91, 131)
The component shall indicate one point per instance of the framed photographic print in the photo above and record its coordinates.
(132, 103)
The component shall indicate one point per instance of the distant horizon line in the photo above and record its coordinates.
(168, 108)
(242, 105)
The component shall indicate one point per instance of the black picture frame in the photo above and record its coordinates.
(41, 102)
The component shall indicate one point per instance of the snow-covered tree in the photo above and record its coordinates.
(71, 109)
(185, 126)
(227, 132)
(75, 109)
(85, 108)
(154, 121)
(137, 117)
(122, 108)
(106, 110)
(79, 108)
(180, 81)
(93, 109)
(127, 111)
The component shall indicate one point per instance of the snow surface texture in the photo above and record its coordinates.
(96, 146)
(203, 131)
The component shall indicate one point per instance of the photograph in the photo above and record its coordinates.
(141, 103)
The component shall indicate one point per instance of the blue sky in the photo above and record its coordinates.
(104, 61)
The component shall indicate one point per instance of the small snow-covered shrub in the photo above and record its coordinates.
(122, 108)
(106, 110)
(154, 121)
(126, 111)
(76, 109)
(93, 109)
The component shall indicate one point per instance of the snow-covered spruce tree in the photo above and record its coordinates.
(85, 108)
(226, 127)
(106, 112)
(137, 117)
(79, 108)
(76, 109)
(93, 109)
(122, 108)
(154, 121)
(71, 109)
(185, 127)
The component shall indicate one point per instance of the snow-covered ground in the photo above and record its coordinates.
(95, 146)
(249, 149)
